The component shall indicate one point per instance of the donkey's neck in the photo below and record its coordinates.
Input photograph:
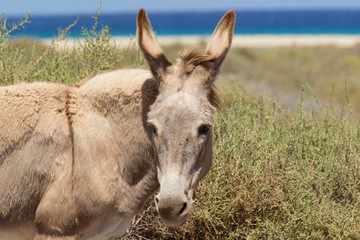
(117, 97)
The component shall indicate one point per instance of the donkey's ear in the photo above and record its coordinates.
(221, 38)
(150, 47)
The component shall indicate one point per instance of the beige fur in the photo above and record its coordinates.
(78, 162)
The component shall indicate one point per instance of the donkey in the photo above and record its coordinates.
(78, 162)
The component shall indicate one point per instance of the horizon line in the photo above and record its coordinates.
(164, 11)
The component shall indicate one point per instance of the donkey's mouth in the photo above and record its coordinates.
(174, 221)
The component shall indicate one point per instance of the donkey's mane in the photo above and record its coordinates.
(192, 58)
(214, 97)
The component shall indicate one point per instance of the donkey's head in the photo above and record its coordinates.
(181, 118)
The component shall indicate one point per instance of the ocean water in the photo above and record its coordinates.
(203, 23)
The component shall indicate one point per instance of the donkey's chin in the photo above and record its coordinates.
(175, 221)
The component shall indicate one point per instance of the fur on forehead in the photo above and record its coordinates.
(187, 104)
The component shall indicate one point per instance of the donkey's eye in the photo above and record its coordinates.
(152, 129)
(204, 130)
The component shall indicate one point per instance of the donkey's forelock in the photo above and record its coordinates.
(189, 59)
(192, 58)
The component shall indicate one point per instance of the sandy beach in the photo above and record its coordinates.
(247, 41)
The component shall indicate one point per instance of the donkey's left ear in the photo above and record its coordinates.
(221, 38)
(150, 47)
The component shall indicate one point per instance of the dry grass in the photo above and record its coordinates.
(276, 175)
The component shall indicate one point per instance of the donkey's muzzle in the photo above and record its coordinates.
(172, 203)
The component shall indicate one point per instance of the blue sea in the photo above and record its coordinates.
(203, 23)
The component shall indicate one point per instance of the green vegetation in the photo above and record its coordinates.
(26, 60)
(333, 73)
(277, 174)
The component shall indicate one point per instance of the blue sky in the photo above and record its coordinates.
(50, 7)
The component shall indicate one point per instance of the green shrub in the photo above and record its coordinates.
(276, 175)
(26, 60)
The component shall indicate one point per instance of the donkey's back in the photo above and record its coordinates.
(33, 134)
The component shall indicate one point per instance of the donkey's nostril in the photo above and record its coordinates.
(183, 208)
(156, 199)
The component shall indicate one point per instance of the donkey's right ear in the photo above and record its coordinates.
(150, 47)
